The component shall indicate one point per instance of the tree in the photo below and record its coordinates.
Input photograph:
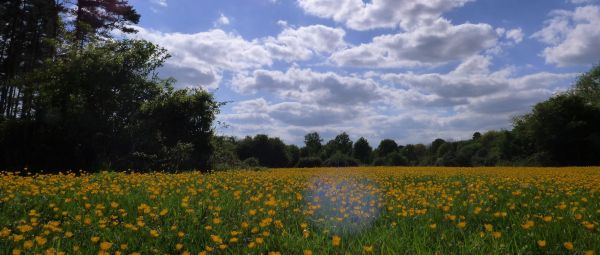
(312, 143)
(340, 159)
(588, 87)
(224, 156)
(29, 33)
(100, 17)
(341, 143)
(465, 153)
(102, 108)
(565, 129)
(446, 155)
(309, 162)
(396, 159)
(386, 147)
(183, 117)
(293, 154)
(270, 152)
(362, 151)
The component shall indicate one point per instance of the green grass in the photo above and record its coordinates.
(389, 209)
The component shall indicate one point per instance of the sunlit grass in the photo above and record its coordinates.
(317, 211)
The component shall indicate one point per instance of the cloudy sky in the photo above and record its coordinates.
(411, 70)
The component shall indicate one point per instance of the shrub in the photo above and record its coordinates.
(251, 162)
(308, 162)
(341, 160)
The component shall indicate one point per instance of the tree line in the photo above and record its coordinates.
(561, 131)
(74, 97)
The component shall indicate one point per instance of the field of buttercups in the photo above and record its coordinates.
(369, 210)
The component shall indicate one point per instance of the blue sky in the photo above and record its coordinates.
(412, 71)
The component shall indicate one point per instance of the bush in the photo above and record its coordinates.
(392, 159)
(308, 162)
(251, 162)
(341, 160)
(380, 161)
(396, 159)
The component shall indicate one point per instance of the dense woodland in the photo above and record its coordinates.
(74, 97)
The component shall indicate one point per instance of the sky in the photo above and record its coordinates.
(411, 71)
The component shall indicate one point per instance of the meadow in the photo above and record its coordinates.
(369, 210)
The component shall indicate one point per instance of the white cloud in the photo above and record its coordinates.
(572, 36)
(515, 34)
(301, 43)
(199, 59)
(472, 80)
(436, 44)
(408, 107)
(305, 85)
(222, 21)
(207, 54)
(581, 1)
(162, 3)
(358, 15)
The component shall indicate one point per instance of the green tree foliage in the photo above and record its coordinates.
(102, 107)
(29, 34)
(414, 154)
(181, 116)
(588, 87)
(362, 151)
(386, 147)
(312, 145)
(73, 98)
(563, 130)
(97, 18)
(340, 144)
(308, 162)
(224, 156)
(340, 159)
(392, 159)
(293, 154)
(270, 152)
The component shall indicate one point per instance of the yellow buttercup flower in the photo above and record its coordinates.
(40, 240)
(105, 246)
(336, 240)
(488, 227)
(541, 243)
(497, 235)
(568, 245)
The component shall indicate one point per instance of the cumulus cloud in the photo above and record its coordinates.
(406, 106)
(291, 120)
(222, 21)
(572, 36)
(299, 79)
(472, 81)
(162, 3)
(358, 15)
(303, 42)
(199, 59)
(515, 34)
(206, 55)
(305, 85)
(436, 44)
(581, 1)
